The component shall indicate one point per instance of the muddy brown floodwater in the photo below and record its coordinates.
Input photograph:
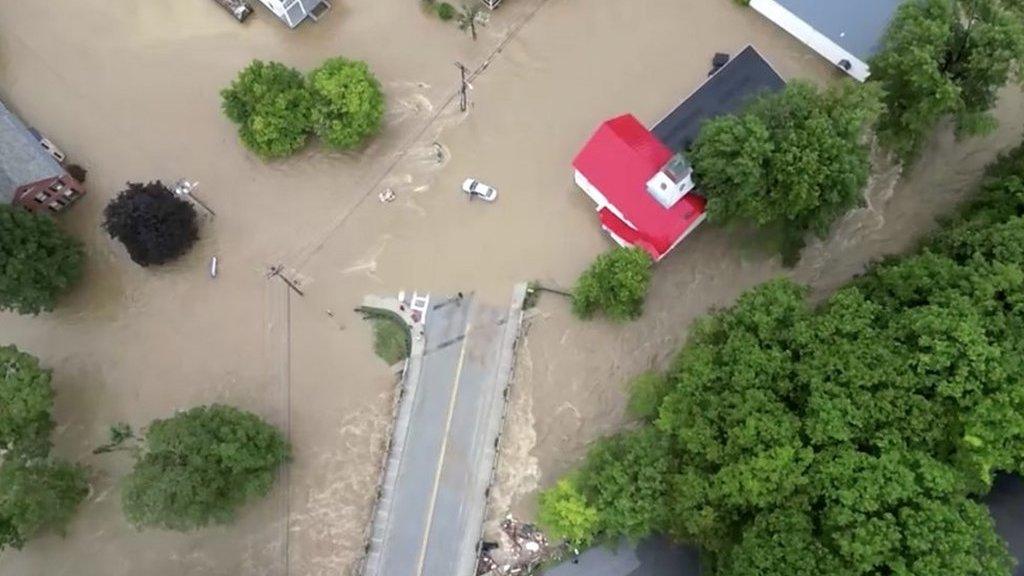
(129, 90)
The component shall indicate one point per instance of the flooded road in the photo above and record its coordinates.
(129, 90)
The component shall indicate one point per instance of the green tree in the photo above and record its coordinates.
(615, 283)
(781, 541)
(199, 466)
(627, 478)
(38, 262)
(37, 496)
(348, 104)
(445, 11)
(646, 392)
(564, 514)
(470, 16)
(945, 58)
(155, 225)
(795, 160)
(26, 403)
(272, 107)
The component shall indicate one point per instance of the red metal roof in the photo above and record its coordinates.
(618, 160)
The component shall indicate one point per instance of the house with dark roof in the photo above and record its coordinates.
(846, 32)
(29, 176)
(743, 78)
(653, 556)
(294, 12)
(640, 179)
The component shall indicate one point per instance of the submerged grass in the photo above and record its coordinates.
(390, 339)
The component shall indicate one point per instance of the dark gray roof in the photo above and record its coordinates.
(653, 557)
(856, 25)
(1006, 501)
(745, 77)
(22, 159)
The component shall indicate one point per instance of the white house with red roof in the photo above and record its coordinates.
(619, 168)
(640, 179)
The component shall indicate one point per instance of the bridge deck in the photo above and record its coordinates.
(429, 519)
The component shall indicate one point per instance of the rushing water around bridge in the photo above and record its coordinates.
(129, 89)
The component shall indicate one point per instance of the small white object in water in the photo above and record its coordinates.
(386, 195)
(213, 267)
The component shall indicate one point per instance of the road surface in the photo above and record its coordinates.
(429, 519)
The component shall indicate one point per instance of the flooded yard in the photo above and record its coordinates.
(130, 91)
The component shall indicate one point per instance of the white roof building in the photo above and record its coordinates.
(846, 32)
(293, 12)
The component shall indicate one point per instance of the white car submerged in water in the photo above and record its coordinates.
(479, 189)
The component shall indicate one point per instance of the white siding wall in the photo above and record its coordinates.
(598, 198)
(808, 35)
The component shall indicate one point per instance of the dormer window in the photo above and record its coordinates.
(672, 182)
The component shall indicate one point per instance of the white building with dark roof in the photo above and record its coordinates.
(846, 32)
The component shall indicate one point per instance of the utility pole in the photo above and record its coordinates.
(464, 86)
(186, 188)
(276, 271)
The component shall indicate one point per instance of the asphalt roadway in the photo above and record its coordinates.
(439, 492)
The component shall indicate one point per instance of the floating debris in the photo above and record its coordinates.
(521, 550)
(386, 195)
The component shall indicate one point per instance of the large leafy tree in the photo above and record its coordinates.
(794, 160)
(26, 403)
(849, 439)
(348, 104)
(154, 224)
(945, 58)
(199, 466)
(37, 496)
(615, 283)
(272, 107)
(38, 262)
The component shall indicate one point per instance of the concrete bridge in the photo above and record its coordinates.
(432, 499)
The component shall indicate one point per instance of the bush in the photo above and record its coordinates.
(77, 172)
(616, 284)
(445, 11)
(38, 262)
(564, 514)
(348, 104)
(36, 497)
(154, 224)
(26, 404)
(270, 103)
(199, 466)
(646, 393)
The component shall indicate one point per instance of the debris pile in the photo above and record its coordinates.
(520, 550)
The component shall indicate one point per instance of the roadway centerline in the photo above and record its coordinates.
(444, 447)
